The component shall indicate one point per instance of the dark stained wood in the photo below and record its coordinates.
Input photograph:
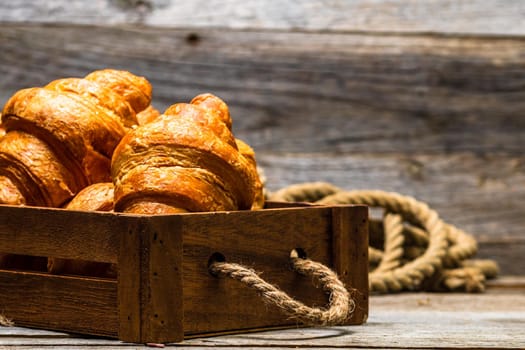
(262, 240)
(349, 248)
(58, 302)
(129, 283)
(495, 17)
(162, 285)
(59, 233)
(165, 290)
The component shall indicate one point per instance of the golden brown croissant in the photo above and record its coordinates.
(147, 115)
(185, 160)
(95, 197)
(60, 138)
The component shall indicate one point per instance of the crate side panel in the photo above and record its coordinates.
(350, 255)
(59, 233)
(161, 281)
(263, 241)
(150, 281)
(80, 305)
(129, 283)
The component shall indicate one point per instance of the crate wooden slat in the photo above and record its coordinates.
(79, 305)
(60, 233)
(164, 291)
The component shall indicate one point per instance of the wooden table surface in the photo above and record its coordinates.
(494, 320)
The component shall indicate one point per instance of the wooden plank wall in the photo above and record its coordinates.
(423, 98)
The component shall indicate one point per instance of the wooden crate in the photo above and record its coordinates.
(164, 291)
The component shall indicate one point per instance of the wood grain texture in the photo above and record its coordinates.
(349, 249)
(86, 305)
(418, 320)
(60, 233)
(405, 329)
(366, 93)
(481, 194)
(162, 284)
(165, 290)
(129, 283)
(262, 240)
(494, 17)
(493, 320)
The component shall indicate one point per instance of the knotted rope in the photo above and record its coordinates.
(341, 306)
(420, 251)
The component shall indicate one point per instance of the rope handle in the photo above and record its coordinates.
(340, 305)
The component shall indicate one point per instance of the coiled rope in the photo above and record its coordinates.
(420, 251)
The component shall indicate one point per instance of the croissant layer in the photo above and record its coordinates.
(36, 170)
(95, 197)
(10, 193)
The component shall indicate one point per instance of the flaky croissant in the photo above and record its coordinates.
(186, 160)
(95, 197)
(60, 138)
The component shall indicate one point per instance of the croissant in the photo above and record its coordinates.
(147, 115)
(95, 197)
(185, 160)
(60, 138)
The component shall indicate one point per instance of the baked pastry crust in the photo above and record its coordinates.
(60, 138)
(95, 197)
(186, 159)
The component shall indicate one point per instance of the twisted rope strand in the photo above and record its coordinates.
(393, 246)
(341, 306)
(411, 275)
(308, 192)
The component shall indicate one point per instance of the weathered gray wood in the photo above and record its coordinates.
(403, 329)
(411, 320)
(305, 92)
(481, 195)
(507, 253)
(439, 118)
(464, 16)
